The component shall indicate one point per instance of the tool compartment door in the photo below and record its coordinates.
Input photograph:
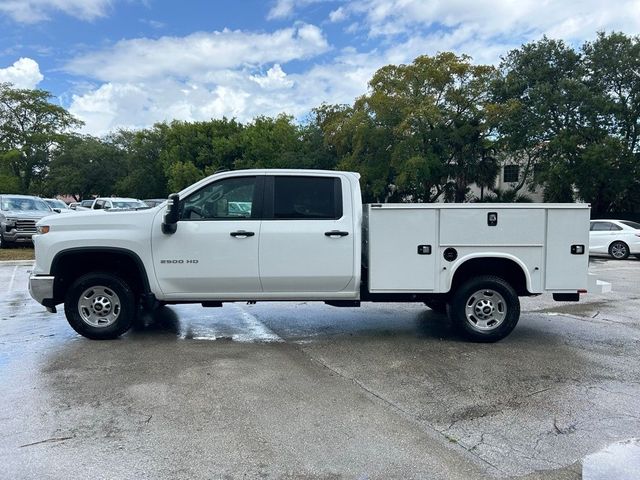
(566, 270)
(394, 237)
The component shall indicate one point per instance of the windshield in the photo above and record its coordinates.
(24, 204)
(54, 203)
(631, 224)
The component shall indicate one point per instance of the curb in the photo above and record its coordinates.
(17, 262)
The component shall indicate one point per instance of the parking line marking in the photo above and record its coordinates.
(13, 276)
(256, 330)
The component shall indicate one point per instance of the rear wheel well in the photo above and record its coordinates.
(504, 268)
(69, 266)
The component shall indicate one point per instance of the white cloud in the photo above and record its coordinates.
(33, 11)
(338, 15)
(286, 8)
(274, 79)
(567, 19)
(281, 9)
(24, 73)
(197, 77)
(243, 74)
(199, 53)
(240, 94)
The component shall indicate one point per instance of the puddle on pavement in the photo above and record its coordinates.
(619, 461)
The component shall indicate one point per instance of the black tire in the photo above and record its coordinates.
(4, 243)
(493, 309)
(619, 250)
(111, 294)
(438, 306)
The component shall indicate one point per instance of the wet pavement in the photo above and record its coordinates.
(297, 390)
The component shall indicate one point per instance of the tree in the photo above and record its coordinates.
(420, 133)
(32, 126)
(9, 182)
(182, 174)
(575, 117)
(85, 165)
(144, 175)
(539, 109)
(612, 63)
(270, 143)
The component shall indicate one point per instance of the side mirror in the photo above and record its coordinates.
(172, 215)
(57, 210)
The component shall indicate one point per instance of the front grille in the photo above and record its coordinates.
(26, 226)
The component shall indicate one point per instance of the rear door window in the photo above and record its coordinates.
(306, 198)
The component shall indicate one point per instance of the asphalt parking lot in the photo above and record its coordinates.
(312, 391)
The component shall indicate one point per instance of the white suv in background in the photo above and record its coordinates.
(117, 203)
(618, 238)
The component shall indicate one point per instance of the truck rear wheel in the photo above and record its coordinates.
(100, 306)
(484, 309)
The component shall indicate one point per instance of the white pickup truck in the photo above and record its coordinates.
(292, 235)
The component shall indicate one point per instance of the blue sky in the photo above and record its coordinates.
(130, 63)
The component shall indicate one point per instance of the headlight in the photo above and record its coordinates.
(42, 229)
(10, 222)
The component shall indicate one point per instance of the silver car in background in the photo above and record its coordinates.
(18, 217)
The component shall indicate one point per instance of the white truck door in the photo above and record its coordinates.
(307, 237)
(215, 247)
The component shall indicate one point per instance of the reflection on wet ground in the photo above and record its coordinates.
(619, 461)
(562, 386)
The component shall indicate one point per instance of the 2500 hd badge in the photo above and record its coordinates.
(179, 261)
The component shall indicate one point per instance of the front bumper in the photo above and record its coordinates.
(41, 290)
(16, 236)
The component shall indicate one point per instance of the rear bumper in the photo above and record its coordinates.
(41, 290)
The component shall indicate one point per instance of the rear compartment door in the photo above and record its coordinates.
(566, 270)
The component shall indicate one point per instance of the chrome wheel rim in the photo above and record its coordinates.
(485, 310)
(99, 306)
(618, 250)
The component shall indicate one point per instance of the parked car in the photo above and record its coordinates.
(18, 217)
(85, 204)
(618, 238)
(57, 206)
(73, 205)
(116, 203)
(154, 202)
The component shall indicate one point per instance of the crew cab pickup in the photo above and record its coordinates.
(292, 235)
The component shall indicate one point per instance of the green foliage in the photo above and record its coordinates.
(9, 182)
(182, 174)
(505, 196)
(84, 165)
(575, 115)
(424, 131)
(421, 131)
(143, 175)
(33, 126)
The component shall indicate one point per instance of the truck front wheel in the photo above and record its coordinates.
(100, 306)
(484, 309)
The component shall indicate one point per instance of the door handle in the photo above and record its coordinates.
(336, 233)
(242, 234)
